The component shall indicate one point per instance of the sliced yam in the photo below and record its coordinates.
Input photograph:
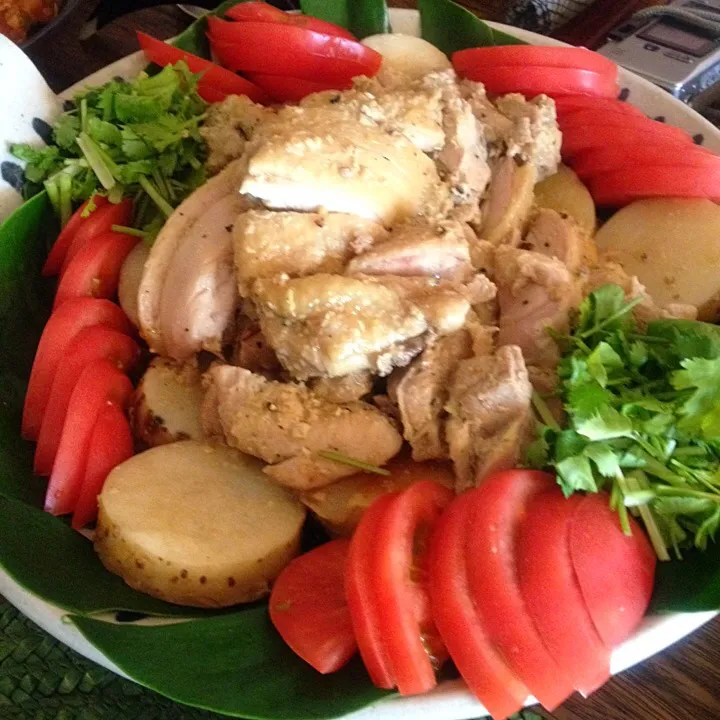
(196, 524)
(405, 58)
(130, 277)
(166, 404)
(565, 193)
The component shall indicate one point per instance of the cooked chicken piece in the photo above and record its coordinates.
(421, 393)
(307, 158)
(253, 352)
(419, 248)
(490, 419)
(269, 243)
(285, 424)
(330, 325)
(413, 111)
(556, 236)
(508, 203)
(188, 294)
(343, 389)
(228, 127)
(496, 126)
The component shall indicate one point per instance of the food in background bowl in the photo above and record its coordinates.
(18, 17)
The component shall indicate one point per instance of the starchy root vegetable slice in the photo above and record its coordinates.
(166, 403)
(308, 607)
(60, 330)
(497, 508)
(57, 254)
(94, 343)
(99, 383)
(616, 572)
(111, 443)
(129, 282)
(196, 524)
(486, 673)
(565, 193)
(406, 56)
(552, 595)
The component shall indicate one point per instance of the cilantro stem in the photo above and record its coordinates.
(686, 492)
(155, 195)
(96, 160)
(637, 481)
(128, 231)
(54, 194)
(83, 115)
(543, 411)
(352, 462)
(65, 199)
(624, 310)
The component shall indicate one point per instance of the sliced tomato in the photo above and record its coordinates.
(617, 157)
(60, 330)
(288, 89)
(309, 610)
(216, 83)
(94, 271)
(587, 121)
(92, 343)
(552, 595)
(572, 103)
(482, 667)
(288, 50)
(111, 443)
(579, 140)
(532, 81)
(528, 56)
(101, 382)
(497, 508)
(262, 12)
(616, 572)
(621, 187)
(60, 247)
(100, 222)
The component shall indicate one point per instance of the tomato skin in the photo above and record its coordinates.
(288, 50)
(111, 443)
(309, 610)
(579, 140)
(552, 595)
(94, 271)
(616, 573)
(92, 343)
(487, 675)
(216, 83)
(60, 330)
(262, 12)
(398, 597)
(100, 222)
(99, 383)
(497, 508)
(568, 104)
(533, 81)
(288, 89)
(577, 126)
(60, 247)
(360, 594)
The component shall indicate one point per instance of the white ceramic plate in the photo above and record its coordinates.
(451, 701)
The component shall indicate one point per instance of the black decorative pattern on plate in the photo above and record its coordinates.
(699, 139)
(624, 94)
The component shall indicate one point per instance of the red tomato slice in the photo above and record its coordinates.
(99, 223)
(497, 508)
(60, 246)
(487, 675)
(62, 327)
(617, 157)
(94, 271)
(111, 443)
(262, 12)
(578, 140)
(570, 103)
(620, 187)
(359, 583)
(99, 383)
(616, 572)
(215, 82)
(288, 89)
(288, 50)
(552, 594)
(92, 343)
(528, 56)
(309, 610)
(399, 583)
(532, 81)
(587, 121)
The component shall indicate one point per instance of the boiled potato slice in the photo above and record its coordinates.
(340, 506)
(564, 192)
(166, 404)
(673, 246)
(405, 56)
(130, 274)
(196, 524)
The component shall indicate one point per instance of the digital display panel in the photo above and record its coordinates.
(678, 37)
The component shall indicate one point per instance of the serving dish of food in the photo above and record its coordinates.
(389, 367)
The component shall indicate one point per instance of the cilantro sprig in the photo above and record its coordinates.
(138, 138)
(643, 420)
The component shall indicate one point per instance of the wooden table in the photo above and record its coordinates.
(681, 684)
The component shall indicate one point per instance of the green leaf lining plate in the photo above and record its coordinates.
(232, 663)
